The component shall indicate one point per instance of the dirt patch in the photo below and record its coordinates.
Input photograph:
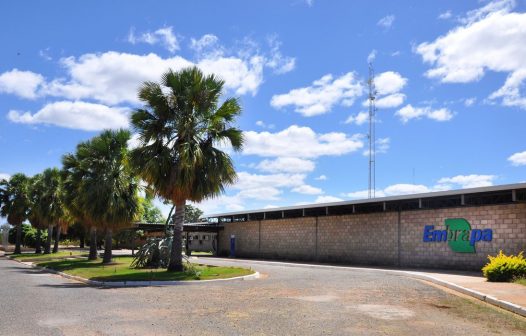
(385, 312)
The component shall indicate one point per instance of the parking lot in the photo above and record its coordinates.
(286, 300)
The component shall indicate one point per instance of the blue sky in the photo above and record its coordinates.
(450, 77)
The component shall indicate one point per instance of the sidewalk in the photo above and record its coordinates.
(509, 296)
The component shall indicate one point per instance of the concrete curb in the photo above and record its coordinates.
(95, 283)
(417, 275)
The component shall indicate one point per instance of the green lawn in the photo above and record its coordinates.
(520, 281)
(120, 270)
(45, 257)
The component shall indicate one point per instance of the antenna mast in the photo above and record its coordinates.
(372, 135)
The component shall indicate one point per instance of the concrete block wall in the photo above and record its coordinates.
(387, 238)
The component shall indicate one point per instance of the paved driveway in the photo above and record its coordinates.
(285, 301)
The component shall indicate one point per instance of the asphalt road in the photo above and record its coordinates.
(285, 301)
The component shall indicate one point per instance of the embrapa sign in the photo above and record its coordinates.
(458, 234)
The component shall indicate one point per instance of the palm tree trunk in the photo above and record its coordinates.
(47, 247)
(18, 238)
(93, 244)
(38, 242)
(82, 237)
(176, 257)
(168, 221)
(57, 238)
(107, 247)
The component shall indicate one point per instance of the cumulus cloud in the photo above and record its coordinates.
(24, 84)
(76, 115)
(163, 36)
(286, 165)
(386, 22)
(466, 181)
(358, 119)
(322, 95)
(490, 38)
(518, 159)
(446, 183)
(307, 190)
(409, 112)
(307, 143)
(327, 199)
(388, 86)
(4, 176)
(263, 124)
(113, 78)
(321, 178)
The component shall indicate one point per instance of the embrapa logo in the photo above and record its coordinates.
(458, 234)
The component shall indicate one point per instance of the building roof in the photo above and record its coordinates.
(509, 193)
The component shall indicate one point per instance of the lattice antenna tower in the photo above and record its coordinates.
(372, 131)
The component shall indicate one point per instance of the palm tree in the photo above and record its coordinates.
(15, 203)
(180, 130)
(108, 192)
(36, 208)
(72, 175)
(52, 206)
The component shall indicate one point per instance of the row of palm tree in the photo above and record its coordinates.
(180, 129)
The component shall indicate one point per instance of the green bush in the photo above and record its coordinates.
(504, 268)
(29, 235)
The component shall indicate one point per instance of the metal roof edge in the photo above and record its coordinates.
(454, 192)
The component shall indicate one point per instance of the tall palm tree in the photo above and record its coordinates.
(53, 207)
(108, 192)
(14, 198)
(72, 175)
(180, 130)
(37, 208)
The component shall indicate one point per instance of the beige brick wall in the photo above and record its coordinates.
(379, 238)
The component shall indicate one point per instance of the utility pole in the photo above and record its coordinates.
(372, 135)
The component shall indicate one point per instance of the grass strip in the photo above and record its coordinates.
(119, 270)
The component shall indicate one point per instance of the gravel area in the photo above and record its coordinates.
(284, 301)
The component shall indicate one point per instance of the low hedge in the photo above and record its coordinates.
(505, 268)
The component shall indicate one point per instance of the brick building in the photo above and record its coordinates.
(451, 229)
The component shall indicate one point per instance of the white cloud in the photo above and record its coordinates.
(382, 146)
(306, 143)
(4, 176)
(262, 124)
(321, 178)
(445, 15)
(309, 3)
(446, 183)
(518, 159)
(467, 181)
(470, 101)
(322, 95)
(24, 84)
(286, 165)
(113, 78)
(389, 82)
(490, 39)
(164, 36)
(358, 119)
(327, 199)
(388, 86)
(386, 22)
(409, 112)
(276, 60)
(390, 101)
(206, 44)
(76, 115)
(307, 190)
(372, 56)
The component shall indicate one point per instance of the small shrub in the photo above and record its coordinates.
(505, 268)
